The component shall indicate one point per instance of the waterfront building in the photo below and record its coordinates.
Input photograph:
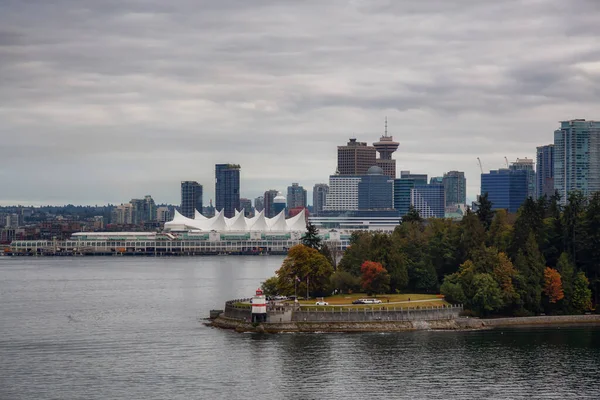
(296, 196)
(577, 157)
(375, 190)
(346, 222)
(507, 189)
(455, 186)
(144, 210)
(122, 214)
(246, 205)
(279, 204)
(268, 202)
(386, 147)
(320, 191)
(259, 204)
(227, 188)
(191, 198)
(429, 200)
(343, 193)
(527, 165)
(355, 158)
(545, 171)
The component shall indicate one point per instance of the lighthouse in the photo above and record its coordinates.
(259, 307)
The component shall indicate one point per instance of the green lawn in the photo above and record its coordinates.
(387, 300)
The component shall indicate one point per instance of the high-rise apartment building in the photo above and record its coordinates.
(375, 190)
(320, 191)
(527, 165)
(429, 200)
(544, 184)
(507, 189)
(355, 158)
(279, 204)
(227, 188)
(455, 186)
(296, 196)
(163, 214)
(343, 193)
(269, 196)
(191, 198)
(402, 190)
(577, 157)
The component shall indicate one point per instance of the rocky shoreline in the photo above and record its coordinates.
(401, 326)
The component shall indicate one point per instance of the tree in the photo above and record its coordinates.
(567, 272)
(452, 290)
(582, 295)
(306, 265)
(530, 265)
(505, 274)
(345, 281)
(485, 212)
(269, 287)
(553, 285)
(487, 296)
(374, 278)
(412, 216)
(500, 232)
(311, 237)
(331, 251)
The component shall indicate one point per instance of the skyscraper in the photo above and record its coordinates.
(268, 202)
(545, 171)
(429, 200)
(403, 188)
(227, 188)
(296, 196)
(259, 204)
(420, 179)
(526, 164)
(278, 204)
(375, 190)
(577, 157)
(506, 188)
(455, 186)
(320, 191)
(191, 198)
(246, 205)
(386, 147)
(355, 158)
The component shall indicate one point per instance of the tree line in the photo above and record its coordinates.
(543, 259)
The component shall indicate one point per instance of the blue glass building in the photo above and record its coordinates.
(402, 188)
(429, 200)
(375, 191)
(227, 188)
(545, 171)
(507, 189)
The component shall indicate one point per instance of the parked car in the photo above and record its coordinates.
(322, 303)
(359, 301)
(367, 301)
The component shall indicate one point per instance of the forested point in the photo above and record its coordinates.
(544, 259)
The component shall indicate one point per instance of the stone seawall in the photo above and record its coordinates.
(474, 323)
(376, 314)
(399, 326)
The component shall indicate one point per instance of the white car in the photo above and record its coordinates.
(322, 303)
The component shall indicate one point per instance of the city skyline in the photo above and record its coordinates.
(105, 102)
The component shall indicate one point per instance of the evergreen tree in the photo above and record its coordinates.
(412, 216)
(311, 237)
(530, 265)
(567, 272)
(485, 212)
(589, 257)
(582, 295)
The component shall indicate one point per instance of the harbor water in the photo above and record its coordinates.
(131, 328)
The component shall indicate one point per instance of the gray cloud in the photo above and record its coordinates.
(102, 101)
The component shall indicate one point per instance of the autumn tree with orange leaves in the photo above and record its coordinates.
(553, 285)
(374, 278)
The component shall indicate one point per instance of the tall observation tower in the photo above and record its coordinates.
(385, 147)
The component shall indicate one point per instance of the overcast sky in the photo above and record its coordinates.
(107, 100)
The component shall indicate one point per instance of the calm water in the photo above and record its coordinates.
(127, 328)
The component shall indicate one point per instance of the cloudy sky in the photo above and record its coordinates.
(106, 100)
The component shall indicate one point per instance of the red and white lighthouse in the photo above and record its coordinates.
(259, 307)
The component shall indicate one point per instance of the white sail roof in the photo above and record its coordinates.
(239, 223)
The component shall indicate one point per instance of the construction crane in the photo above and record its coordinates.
(506, 159)
(480, 166)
